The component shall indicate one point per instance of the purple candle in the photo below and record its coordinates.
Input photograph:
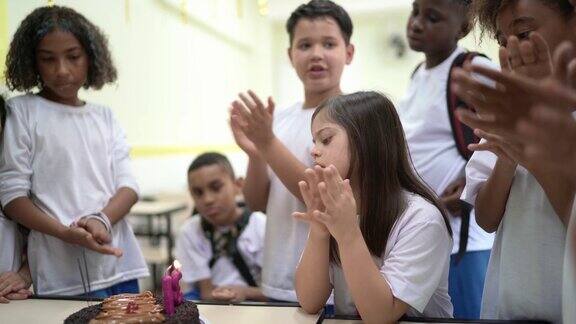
(168, 294)
(176, 275)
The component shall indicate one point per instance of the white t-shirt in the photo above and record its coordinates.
(286, 236)
(11, 243)
(524, 275)
(569, 282)
(70, 161)
(426, 122)
(194, 251)
(415, 263)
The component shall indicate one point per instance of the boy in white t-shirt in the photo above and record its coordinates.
(279, 145)
(434, 29)
(221, 249)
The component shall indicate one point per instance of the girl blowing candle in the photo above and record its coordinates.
(377, 237)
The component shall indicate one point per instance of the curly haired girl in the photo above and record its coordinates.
(64, 165)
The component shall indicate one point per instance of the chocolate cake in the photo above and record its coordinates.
(135, 308)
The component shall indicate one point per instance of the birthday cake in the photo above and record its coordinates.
(135, 308)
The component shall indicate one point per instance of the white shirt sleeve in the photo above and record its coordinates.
(478, 171)
(194, 252)
(123, 176)
(416, 263)
(481, 163)
(260, 232)
(16, 158)
(487, 63)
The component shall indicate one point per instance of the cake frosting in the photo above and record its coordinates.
(130, 308)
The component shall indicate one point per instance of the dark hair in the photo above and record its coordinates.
(318, 9)
(21, 70)
(486, 11)
(212, 158)
(3, 112)
(465, 8)
(379, 163)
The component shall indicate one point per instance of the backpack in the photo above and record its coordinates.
(463, 136)
(231, 248)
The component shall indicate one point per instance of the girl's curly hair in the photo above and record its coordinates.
(21, 70)
(3, 113)
(486, 12)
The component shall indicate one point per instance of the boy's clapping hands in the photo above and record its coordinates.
(251, 122)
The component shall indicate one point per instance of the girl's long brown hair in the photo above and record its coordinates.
(379, 164)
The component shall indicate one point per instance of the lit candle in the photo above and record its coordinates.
(176, 275)
(168, 293)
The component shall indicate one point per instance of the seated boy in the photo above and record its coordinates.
(220, 250)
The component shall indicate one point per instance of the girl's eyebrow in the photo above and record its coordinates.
(71, 49)
(321, 130)
(521, 20)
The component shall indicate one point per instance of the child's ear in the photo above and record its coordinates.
(350, 49)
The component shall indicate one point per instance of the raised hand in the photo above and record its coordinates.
(250, 117)
(529, 57)
(498, 109)
(236, 125)
(314, 205)
(550, 139)
(341, 215)
(508, 152)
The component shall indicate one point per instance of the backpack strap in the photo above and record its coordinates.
(463, 135)
(232, 248)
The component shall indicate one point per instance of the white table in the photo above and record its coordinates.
(56, 311)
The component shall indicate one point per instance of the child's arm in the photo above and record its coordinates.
(238, 294)
(493, 195)
(257, 184)
(206, 289)
(312, 274)
(23, 211)
(369, 289)
(120, 204)
(255, 120)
